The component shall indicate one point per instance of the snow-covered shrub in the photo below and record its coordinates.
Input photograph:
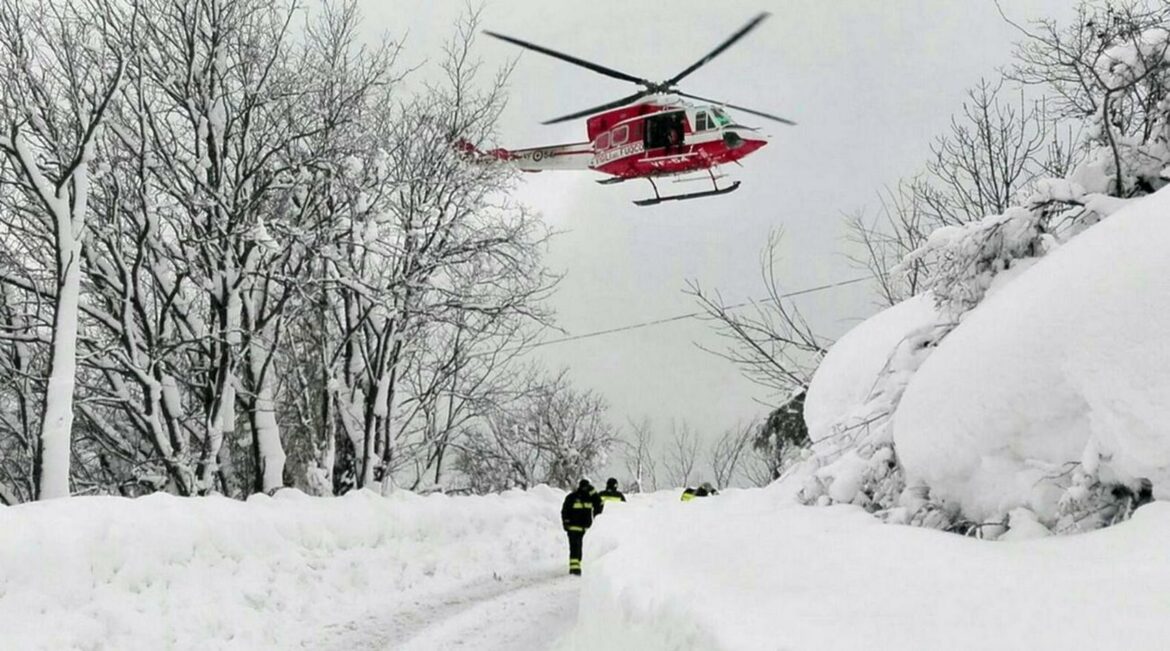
(966, 259)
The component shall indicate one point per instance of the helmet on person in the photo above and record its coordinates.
(611, 483)
(585, 483)
(706, 486)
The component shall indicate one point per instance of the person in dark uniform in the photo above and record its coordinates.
(611, 492)
(577, 513)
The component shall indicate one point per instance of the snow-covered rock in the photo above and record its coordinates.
(1067, 362)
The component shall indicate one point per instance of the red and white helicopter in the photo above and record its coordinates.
(651, 134)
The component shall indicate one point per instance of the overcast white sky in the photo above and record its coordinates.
(869, 82)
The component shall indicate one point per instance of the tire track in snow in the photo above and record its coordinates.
(524, 614)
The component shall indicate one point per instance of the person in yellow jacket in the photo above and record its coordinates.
(611, 492)
(704, 490)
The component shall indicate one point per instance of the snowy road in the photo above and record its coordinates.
(527, 614)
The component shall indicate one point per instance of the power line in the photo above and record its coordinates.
(692, 315)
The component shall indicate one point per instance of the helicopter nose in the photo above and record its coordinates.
(744, 143)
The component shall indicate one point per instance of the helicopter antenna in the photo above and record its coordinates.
(650, 88)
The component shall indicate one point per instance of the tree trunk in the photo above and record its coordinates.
(54, 443)
(270, 456)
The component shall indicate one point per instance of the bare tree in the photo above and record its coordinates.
(468, 368)
(880, 245)
(995, 147)
(992, 150)
(640, 458)
(1108, 65)
(21, 373)
(729, 452)
(682, 454)
(769, 340)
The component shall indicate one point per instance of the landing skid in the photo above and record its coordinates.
(658, 198)
(683, 197)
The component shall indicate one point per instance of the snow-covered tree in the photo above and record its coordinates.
(431, 250)
(550, 433)
(62, 69)
(778, 441)
(276, 268)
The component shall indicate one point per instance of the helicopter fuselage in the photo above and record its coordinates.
(650, 139)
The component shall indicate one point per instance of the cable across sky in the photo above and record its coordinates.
(691, 315)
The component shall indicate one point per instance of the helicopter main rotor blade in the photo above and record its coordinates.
(738, 108)
(604, 107)
(719, 50)
(609, 72)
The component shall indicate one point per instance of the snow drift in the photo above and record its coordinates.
(849, 372)
(753, 571)
(850, 401)
(184, 573)
(1064, 368)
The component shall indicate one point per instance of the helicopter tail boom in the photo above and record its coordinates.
(574, 156)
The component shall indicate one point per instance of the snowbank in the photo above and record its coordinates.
(1065, 365)
(848, 373)
(851, 399)
(213, 573)
(751, 571)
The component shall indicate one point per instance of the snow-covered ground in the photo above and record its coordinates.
(754, 571)
(748, 570)
(162, 572)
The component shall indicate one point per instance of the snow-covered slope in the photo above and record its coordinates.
(1069, 363)
(752, 571)
(162, 572)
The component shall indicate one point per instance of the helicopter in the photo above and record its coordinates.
(651, 134)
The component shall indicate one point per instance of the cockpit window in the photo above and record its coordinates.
(719, 118)
(702, 122)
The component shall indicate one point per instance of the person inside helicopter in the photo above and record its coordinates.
(665, 131)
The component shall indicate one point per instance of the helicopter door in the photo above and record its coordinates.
(664, 130)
